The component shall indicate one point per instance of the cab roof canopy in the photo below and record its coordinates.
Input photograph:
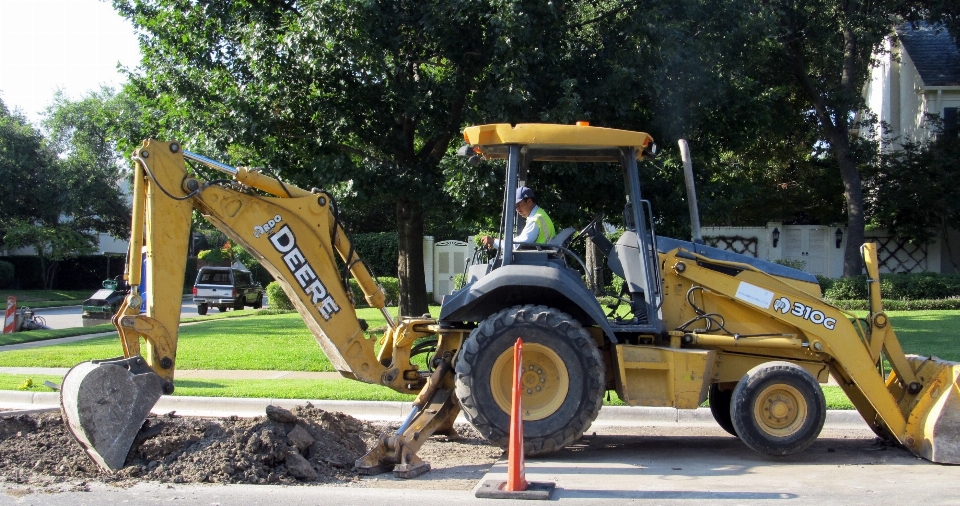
(564, 143)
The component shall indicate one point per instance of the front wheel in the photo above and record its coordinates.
(257, 304)
(563, 377)
(778, 408)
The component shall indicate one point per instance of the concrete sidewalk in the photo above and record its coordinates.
(393, 411)
(194, 374)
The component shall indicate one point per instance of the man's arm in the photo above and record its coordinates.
(529, 234)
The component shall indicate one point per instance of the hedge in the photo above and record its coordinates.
(921, 286)
(391, 286)
(6, 274)
(80, 273)
(898, 304)
(379, 250)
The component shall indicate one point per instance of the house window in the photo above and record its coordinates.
(951, 124)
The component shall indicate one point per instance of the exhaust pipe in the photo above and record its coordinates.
(691, 191)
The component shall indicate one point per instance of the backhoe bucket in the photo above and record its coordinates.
(933, 425)
(105, 403)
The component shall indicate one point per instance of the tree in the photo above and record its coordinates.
(93, 137)
(328, 92)
(25, 170)
(824, 48)
(59, 193)
(52, 242)
(914, 192)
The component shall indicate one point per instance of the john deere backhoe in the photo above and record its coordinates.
(753, 337)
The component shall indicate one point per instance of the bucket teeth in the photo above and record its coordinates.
(105, 403)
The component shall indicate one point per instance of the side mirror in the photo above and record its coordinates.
(650, 152)
(466, 151)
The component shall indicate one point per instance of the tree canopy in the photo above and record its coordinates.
(59, 191)
(366, 100)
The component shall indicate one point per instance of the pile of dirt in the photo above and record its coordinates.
(285, 447)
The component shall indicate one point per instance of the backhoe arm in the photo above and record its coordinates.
(295, 234)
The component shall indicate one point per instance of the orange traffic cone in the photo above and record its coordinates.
(516, 486)
(516, 480)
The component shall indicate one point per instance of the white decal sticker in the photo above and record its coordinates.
(266, 227)
(754, 295)
(804, 311)
(286, 243)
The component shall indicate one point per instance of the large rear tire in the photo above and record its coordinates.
(778, 408)
(563, 377)
(201, 309)
(720, 407)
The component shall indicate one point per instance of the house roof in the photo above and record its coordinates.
(933, 51)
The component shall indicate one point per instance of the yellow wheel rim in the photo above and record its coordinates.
(780, 410)
(544, 378)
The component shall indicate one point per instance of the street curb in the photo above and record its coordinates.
(391, 411)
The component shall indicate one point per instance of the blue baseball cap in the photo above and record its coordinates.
(524, 193)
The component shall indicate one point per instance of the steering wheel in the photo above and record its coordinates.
(585, 231)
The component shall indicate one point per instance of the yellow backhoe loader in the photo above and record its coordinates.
(753, 337)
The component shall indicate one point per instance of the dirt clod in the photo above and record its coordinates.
(303, 445)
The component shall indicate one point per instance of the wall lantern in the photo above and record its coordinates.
(839, 235)
(776, 236)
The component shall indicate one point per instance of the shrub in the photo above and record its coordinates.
(899, 304)
(391, 288)
(277, 298)
(793, 264)
(854, 287)
(616, 283)
(913, 287)
(6, 274)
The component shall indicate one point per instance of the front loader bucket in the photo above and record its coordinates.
(105, 403)
(933, 425)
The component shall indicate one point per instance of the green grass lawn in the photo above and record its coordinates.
(270, 342)
(48, 298)
(928, 332)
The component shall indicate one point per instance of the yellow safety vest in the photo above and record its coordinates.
(544, 224)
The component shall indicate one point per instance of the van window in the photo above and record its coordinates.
(214, 278)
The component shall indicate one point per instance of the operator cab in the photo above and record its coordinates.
(544, 273)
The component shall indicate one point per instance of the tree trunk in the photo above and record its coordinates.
(413, 286)
(52, 274)
(853, 195)
(835, 127)
(594, 263)
(48, 268)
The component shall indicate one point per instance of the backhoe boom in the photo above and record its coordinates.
(295, 234)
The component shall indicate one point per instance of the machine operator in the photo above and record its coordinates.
(539, 227)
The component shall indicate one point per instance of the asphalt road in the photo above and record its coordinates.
(684, 465)
(69, 317)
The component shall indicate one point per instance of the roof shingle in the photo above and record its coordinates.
(934, 52)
